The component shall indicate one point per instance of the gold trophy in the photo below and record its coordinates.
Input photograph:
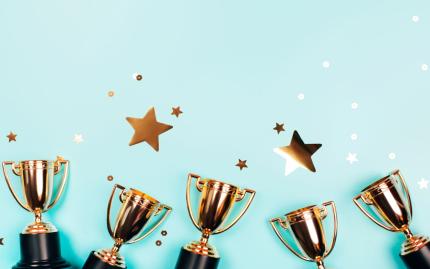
(391, 206)
(217, 200)
(306, 228)
(132, 224)
(39, 242)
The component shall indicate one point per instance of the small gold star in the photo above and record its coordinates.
(147, 129)
(1, 241)
(241, 164)
(176, 111)
(279, 127)
(11, 136)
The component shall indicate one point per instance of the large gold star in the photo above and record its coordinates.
(298, 154)
(11, 136)
(147, 129)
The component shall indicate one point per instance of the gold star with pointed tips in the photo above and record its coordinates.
(241, 164)
(11, 136)
(147, 129)
(176, 111)
(279, 127)
(298, 154)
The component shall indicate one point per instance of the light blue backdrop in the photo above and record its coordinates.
(235, 68)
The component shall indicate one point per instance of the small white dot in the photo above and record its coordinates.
(354, 105)
(301, 96)
(392, 156)
(415, 18)
(424, 67)
(354, 136)
(326, 64)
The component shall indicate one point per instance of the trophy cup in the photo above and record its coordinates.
(306, 228)
(39, 242)
(216, 202)
(135, 214)
(391, 205)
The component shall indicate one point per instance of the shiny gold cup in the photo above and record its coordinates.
(131, 224)
(390, 201)
(37, 183)
(217, 200)
(306, 228)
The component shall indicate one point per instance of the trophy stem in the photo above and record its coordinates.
(407, 232)
(116, 246)
(320, 263)
(37, 216)
(205, 237)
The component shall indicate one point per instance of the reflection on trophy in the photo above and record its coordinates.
(391, 207)
(217, 200)
(39, 242)
(306, 229)
(132, 224)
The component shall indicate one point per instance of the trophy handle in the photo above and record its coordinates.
(241, 194)
(284, 241)
(109, 226)
(16, 171)
(379, 223)
(406, 189)
(167, 209)
(60, 161)
(335, 224)
(187, 193)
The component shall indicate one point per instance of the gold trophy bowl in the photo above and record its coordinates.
(391, 208)
(216, 202)
(132, 224)
(307, 230)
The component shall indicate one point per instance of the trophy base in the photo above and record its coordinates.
(41, 251)
(418, 259)
(94, 262)
(190, 260)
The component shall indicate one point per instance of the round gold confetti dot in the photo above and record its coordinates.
(163, 233)
(111, 93)
(110, 178)
(158, 242)
(138, 76)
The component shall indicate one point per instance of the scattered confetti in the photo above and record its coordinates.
(326, 64)
(415, 18)
(423, 183)
(301, 96)
(147, 129)
(297, 154)
(111, 93)
(1, 241)
(279, 127)
(352, 158)
(158, 243)
(110, 178)
(164, 233)
(392, 156)
(354, 136)
(424, 67)
(11, 136)
(354, 105)
(176, 111)
(137, 76)
(78, 138)
(241, 164)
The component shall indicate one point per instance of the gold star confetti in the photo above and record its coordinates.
(147, 129)
(158, 243)
(279, 127)
(298, 154)
(138, 76)
(110, 178)
(11, 136)
(164, 233)
(111, 93)
(241, 164)
(1, 241)
(176, 111)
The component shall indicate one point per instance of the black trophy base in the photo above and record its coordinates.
(419, 259)
(93, 262)
(190, 260)
(41, 251)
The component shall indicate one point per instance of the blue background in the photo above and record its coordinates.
(235, 68)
